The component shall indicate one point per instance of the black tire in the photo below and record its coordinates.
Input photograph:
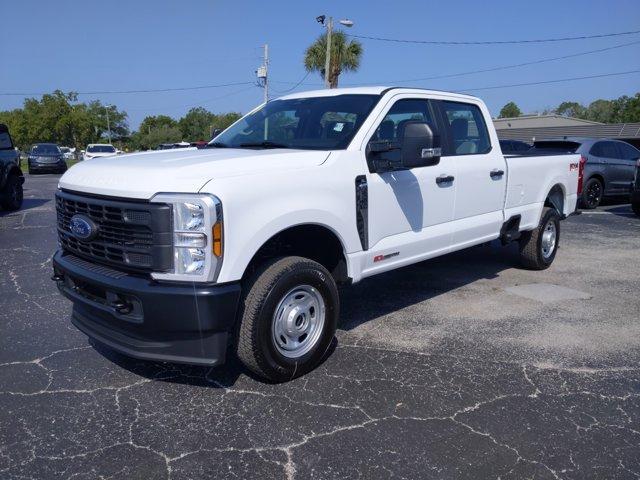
(532, 253)
(636, 208)
(13, 193)
(31, 172)
(592, 193)
(256, 346)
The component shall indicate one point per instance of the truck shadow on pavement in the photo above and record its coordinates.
(360, 303)
(27, 204)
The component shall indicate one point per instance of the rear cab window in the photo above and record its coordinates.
(555, 146)
(466, 128)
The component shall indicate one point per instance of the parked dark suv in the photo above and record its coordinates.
(609, 165)
(11, 178)
(46, 157)
(635, 190)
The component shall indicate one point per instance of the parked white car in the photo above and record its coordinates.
(68, 153)
(175, 255)
(95, 150)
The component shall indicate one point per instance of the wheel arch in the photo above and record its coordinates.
(556, 198)
(316, 241)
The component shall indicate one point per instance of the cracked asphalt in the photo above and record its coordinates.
(461, 367)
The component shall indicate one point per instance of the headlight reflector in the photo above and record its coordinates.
(189, 216)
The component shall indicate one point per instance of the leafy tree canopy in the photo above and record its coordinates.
(510, 110)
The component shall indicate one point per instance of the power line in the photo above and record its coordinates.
(295, 86)
(493, 87)
(506, 67)
(152, 90)
(493, 42)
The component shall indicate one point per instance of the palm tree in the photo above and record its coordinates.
(345, 56)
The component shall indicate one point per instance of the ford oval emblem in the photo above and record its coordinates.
(83, 228)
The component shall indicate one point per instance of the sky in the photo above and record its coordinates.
(92, 45)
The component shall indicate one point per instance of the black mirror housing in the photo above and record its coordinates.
(420, 146)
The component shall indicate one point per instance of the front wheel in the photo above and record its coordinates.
(288, 318)
(539, 246)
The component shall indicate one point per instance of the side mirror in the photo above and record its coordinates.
(420, 146)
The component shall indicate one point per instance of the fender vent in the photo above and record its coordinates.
(362, 210)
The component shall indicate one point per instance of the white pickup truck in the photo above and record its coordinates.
(180, 255)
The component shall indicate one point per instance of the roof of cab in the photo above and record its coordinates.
(377, 90)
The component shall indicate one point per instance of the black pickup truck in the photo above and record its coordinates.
(11, 177)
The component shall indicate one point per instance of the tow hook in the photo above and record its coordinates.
(121, 306)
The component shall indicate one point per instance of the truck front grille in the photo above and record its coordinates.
(134, 236)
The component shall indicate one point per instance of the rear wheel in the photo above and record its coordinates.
(288, 318)
(13, 193)
(539, 246)
(592, 194)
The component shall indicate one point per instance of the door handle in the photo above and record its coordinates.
(495, 173)
(445, 179)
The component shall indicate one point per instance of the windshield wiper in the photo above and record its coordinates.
(217, 145)
(264, 144)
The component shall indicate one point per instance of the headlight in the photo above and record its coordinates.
(197, 237)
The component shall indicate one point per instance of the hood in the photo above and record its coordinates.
(142, 175)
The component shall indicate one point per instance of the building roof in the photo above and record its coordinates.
(629, 132)
(536, 121)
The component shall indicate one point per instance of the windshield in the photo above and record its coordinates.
(45, 149)
(101, 148)
(320, 123)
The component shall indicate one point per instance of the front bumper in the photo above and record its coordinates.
(141, 318)
(48, 167)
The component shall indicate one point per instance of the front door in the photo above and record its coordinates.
(409, 210)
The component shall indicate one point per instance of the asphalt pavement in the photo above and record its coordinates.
(461, 367)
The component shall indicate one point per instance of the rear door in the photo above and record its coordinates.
(480, 173)
(616, 181)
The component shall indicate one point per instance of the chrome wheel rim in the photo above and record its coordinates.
(298, 321)
(549, 240)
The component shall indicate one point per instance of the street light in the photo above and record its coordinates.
(327, 57)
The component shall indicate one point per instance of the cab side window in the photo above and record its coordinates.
(468, 133)
(392, 126)
(391, 130)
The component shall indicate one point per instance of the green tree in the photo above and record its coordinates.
(154, 122)
(571, 109)
(345, 56)
(59, 117)
(510, 110)
(197, 124)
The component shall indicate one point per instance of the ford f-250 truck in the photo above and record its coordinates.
(184, 255)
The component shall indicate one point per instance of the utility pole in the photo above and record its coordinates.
(263, 73)
(327, 56)
(328, 24)
(106, 108)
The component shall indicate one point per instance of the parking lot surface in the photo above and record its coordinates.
(461, 367)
